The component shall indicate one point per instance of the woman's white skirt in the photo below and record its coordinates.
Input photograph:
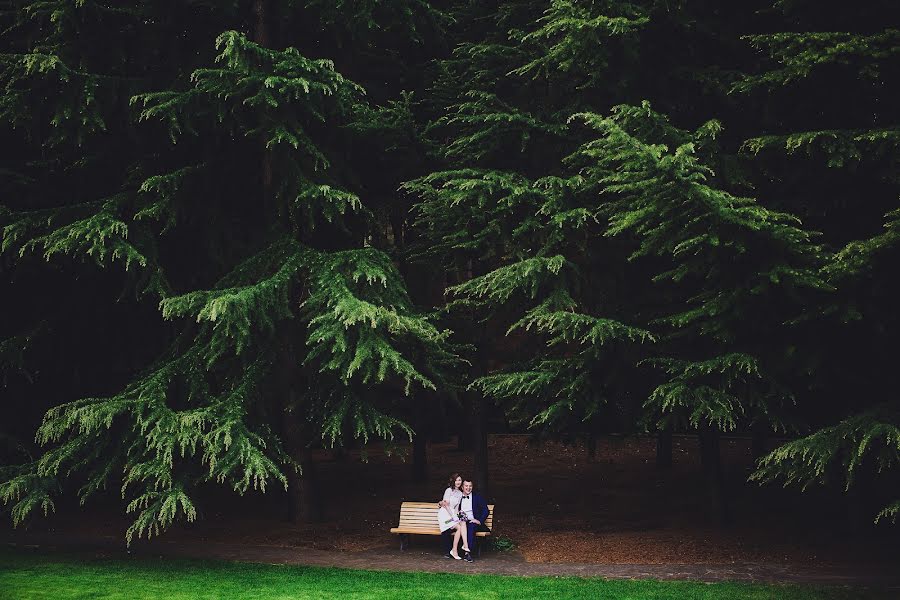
(446, 520)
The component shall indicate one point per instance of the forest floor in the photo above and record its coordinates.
(555, 505)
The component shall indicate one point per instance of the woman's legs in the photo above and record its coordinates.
(464, 535)
(453, 551)
(461, 533)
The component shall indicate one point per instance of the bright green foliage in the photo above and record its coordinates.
(838, 147)
(716, 392)
(727, 257)
(235, 398)
(59, 96)
(81, 97)
(491, 125)
(360, 318)
(548, 210)
(277, 95)
(466, 210)
(101, 235)
(862, 257)
(799, 54)
(576, 36)
(214, 432)
(873, 435)
(665, 200)
(858, 148)
(725, 261)
(525, 242)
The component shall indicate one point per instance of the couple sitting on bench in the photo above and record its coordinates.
(460, 515)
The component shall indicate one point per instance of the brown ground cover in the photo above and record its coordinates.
(551, 501)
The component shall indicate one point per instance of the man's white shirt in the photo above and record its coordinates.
(466, 507)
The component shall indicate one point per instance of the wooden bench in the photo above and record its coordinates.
(420, 518)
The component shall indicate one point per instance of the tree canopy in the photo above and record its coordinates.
(235, 233)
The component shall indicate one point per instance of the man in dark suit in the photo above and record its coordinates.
(476, 511)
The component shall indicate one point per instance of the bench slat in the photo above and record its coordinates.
(431, 532)
(421, 518)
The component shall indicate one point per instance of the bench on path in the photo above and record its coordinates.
(420, 518)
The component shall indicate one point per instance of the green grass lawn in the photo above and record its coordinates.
(27, 575)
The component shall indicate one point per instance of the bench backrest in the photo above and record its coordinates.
(423, 515)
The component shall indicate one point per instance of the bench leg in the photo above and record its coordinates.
(404, 541)
(478, 545)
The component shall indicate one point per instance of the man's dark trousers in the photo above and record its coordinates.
(470, 534)
(481, 512)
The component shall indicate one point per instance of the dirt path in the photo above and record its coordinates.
(425, 556)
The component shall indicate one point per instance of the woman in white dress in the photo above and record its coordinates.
(448, 515)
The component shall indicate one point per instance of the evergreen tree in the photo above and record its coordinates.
(847, 147)
(290, 323)
(525, 242)
(719, 262)
(571, 215)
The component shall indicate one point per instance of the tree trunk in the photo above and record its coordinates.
(590, 442)
(261, 23)
(419, 458)
(712, 469)
(464, 440)
(759, 442)
(310, 509)
(664, 448)
(262, 36)
(480, 443)
(303, 492)
(440, 432)
(304, 495)
(419, 467)
(293, 445)
(861, 502)
(295, 501)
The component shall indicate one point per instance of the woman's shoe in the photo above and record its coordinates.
(455, 555)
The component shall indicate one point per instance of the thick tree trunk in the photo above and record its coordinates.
(262, 36)
(664, 448)
(464, 438)
(304, 504)
(862, 500)
(419, 458)
(711, 461)
(261, 23)
(339, 454)
(419, 442)
(295, 502)
(480, 443)
(293, 445)
(304, 495)
(303, 489)
(440, 432)
(310, 509)
(759, 441)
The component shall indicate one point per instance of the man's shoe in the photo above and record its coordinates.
(447, 555)
(468, 557)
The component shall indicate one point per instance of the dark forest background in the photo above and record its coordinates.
(237, 232)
